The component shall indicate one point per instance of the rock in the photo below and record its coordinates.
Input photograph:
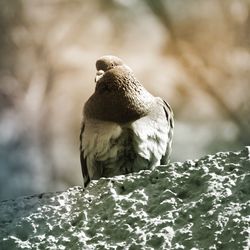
(203, 204)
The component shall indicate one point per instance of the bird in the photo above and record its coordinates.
(124, 128)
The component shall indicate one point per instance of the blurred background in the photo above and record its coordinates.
(195, 54)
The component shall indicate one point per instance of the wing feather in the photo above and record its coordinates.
(84, 167)
(170, 118)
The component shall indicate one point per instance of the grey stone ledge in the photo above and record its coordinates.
(201, 204)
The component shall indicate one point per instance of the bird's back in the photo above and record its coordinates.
(113, 149)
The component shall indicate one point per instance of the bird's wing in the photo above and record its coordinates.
(85, 172)
(169, 114)
(170, 118)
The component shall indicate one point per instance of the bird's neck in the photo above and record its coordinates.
(122, 105)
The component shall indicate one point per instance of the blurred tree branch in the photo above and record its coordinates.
(197, 75)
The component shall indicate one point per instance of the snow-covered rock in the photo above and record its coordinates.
(203, 204)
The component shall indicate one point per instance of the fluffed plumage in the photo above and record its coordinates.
(124, 129)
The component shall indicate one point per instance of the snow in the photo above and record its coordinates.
(202, 204)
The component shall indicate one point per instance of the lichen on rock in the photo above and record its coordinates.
(202, 204)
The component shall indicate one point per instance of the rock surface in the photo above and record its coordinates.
(203, 204)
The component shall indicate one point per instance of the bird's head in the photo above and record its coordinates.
(106, 63)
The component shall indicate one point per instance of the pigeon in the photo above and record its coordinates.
(124, 129)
